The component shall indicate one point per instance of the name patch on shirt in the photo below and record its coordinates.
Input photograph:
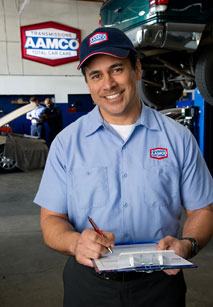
(98, 38)
(159, 153)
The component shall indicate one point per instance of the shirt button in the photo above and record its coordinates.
(125, 205)
(124, 175)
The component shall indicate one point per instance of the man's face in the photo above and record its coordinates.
(113, 86)
(48, 103)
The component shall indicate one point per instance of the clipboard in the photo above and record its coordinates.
(140, 257)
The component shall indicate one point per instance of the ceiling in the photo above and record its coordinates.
(92, 0)
(24, 3)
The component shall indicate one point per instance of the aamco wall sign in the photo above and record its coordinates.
(50, 43)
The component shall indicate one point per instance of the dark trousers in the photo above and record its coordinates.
(83, 287)
(52, 133)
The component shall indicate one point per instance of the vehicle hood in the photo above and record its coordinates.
(17, 113)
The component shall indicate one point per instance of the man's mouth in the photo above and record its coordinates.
(113, 96)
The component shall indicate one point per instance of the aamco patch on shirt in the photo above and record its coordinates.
(159, 153)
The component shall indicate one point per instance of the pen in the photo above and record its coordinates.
(97, 230)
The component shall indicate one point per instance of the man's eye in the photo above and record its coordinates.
(117, 70)
(95, 77)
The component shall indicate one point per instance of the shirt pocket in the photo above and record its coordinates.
(90, 187)
(161, 185)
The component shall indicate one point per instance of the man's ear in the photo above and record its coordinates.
(138, 69)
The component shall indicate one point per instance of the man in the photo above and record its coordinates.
(132, 170)
(37, 125)
(53, 115)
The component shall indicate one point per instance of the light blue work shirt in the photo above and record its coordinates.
(36, 113)
(135, 189)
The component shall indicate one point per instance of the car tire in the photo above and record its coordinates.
(155, 97)
(7, 165)
(204, 73)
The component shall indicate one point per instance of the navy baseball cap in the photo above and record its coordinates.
(109, 41)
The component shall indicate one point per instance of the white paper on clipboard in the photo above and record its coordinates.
(141, 257)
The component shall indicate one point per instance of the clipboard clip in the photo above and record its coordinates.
(142, 261)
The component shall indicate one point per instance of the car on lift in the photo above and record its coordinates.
(20, 152)
(174, 41)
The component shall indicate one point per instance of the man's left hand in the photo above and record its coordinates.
(44, 116)
(181, 248)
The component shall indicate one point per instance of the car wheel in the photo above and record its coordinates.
(154, 96)
(204, 73)
(7, 165)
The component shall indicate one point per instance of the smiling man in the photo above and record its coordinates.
(132, 170)
(113, 86)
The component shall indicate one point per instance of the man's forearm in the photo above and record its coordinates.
(59, 234)
(198, 225)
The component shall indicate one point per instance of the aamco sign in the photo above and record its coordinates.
(50, 43)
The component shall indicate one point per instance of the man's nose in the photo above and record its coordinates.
(108, 82)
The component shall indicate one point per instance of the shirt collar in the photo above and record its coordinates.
(94, 121)
(147, 119)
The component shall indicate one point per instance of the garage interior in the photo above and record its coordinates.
(31, 273)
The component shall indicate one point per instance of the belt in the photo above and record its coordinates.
(124, 276)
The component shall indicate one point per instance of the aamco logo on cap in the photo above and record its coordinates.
(159, 153)
(98, 38)
(50, 43)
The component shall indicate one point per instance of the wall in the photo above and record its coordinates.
(23, 77)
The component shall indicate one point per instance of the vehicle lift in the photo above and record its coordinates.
(197, 115)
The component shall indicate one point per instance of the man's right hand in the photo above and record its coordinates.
(60, 235)
(91, 245)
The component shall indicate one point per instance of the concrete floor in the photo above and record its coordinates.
(31, 273)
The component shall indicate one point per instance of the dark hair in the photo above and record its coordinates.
(33, 98)
(132, 57)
